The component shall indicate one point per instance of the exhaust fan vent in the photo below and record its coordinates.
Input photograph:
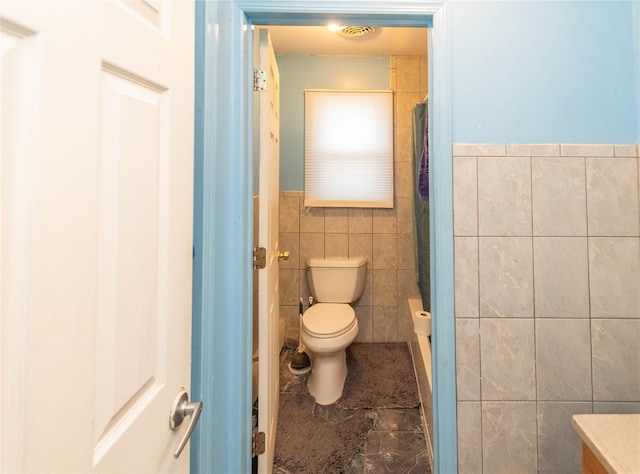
(357, 31)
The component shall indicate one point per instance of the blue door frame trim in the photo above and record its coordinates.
(222, 278)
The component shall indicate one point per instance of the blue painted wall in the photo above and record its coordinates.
(298, 73)
(545, 72)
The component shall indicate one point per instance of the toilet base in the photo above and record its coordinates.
(328, 373)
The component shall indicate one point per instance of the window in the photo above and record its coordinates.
(348, 149)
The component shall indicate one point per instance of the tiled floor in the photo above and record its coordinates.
(395, 445)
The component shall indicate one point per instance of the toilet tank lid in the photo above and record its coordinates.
(337, 262)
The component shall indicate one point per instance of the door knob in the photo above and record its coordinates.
(179, 411)
(283, 255)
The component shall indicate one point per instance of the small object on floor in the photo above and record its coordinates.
(300, 363)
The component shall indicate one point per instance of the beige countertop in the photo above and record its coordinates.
(613, 439)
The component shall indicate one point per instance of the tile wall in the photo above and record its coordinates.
(547, 299)
(384, 236)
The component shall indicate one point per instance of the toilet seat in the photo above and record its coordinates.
(326, 320)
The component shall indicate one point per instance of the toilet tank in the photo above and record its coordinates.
(336, 280)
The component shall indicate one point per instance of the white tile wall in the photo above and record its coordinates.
(547, 298)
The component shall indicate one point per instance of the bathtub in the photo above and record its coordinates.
(420, 347)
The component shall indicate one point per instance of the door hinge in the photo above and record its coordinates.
(259, 258)
(258, 443)
(259, 80)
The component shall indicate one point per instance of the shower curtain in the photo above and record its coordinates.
(420, 160)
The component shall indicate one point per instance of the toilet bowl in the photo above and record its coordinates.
(327, 330)
(329, 326)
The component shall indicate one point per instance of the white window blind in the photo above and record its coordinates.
(348, 149)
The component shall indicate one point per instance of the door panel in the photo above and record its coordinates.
(269, 215)
(97, 192)
(130, 319)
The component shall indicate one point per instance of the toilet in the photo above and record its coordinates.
(330, 325)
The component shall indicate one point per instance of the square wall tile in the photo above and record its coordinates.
(385, 292)
(468, 359)
(408, 73)
(469, 438)
(311, 219)
(360, 221)
(466, 277)
(506, 277)
(406, 252)
(361, 245)
(561, 277)
(311, 246)
(507, 359)
(289, 214)
(336, 220)
(559, 449)
(504, 196)
(385, 323)
(616, 359)
(465, 195)
(385, 255)
(612, 197)
(384, 221)
(563, 359)
(509, 441)
(614, 277)
(559, 196)
(336, 245)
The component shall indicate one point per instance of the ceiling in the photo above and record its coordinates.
(319, 40)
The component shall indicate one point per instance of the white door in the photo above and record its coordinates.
(269, 215)
(96, 220)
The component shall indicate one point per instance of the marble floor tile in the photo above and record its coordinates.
(396, 444)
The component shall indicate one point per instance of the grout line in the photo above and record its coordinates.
(533, 311)
(588, 236)
(477, 239)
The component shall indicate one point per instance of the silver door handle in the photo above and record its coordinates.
(181, 409)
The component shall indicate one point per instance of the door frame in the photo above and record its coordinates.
(222, 279)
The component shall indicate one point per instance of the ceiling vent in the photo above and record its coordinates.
(357, 31)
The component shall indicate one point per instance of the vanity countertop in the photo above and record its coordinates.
(613, 439)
